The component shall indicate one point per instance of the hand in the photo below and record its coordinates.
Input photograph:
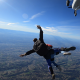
(22, 55)
(38, 26)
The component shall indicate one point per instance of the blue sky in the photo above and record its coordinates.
(53, 16)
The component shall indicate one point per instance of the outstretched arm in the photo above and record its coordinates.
(27, 53)
(41, 33)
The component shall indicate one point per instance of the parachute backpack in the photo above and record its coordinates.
(49, 46)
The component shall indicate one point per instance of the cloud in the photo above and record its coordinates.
(26, 21)
(10, 23)
(47, 30)
(18, 27)
(36, 15)
(54, 31)
(50, 29)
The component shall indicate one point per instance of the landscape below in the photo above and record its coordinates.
(34, 67)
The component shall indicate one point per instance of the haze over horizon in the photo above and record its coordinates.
(53, 16)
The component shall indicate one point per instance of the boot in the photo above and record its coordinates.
(53, 76)
(52, 73)
(68, 49)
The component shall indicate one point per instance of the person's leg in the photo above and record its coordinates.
(54, 63)
(68, 49)
(50, 68)
(58, 66)
(56, 52)
(48, 60)
(49, 65)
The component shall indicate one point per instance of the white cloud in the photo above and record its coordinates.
(47, 30)
(54, 31)
(17, 26)
(50, 29)
(26, 21)
(36, 15)
(10, 23)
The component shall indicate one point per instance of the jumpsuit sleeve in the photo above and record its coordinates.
(29, 52)
(41, 36)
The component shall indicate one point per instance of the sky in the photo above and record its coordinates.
(53, 16)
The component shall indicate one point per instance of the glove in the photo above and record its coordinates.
(22, 55)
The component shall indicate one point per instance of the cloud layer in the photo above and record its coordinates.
(34, 16)
(10, 23)
(63, 31)
(50, 29)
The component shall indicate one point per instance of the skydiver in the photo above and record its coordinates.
(41, 49)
